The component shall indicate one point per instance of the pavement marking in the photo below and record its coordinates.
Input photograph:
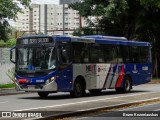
(157, 110)
(60, 105)
(114, 106)
(120, 104)
(4, 102)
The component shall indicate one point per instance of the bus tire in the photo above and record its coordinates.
(127, 85)
(78, 89)
(95, 91)
(43, 94)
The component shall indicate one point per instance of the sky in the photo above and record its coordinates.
(46, 1)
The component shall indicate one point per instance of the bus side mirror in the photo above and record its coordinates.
(11, 54)
(64, 54)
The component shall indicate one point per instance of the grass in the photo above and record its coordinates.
(9, 85)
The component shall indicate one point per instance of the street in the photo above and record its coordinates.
(62, 102)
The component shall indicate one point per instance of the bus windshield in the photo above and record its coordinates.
(35, 58)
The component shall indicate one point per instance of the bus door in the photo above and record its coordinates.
(65, 69)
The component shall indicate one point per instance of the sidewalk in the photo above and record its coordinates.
(12, 91)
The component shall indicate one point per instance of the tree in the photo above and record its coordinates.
(9, 10)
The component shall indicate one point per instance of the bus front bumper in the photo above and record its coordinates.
(50, 87)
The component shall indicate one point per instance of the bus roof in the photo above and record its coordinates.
(96, 39)
(105, 37)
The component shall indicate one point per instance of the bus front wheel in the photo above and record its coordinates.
(78, 89)
(43, 94)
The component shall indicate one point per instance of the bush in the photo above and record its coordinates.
(9, 43)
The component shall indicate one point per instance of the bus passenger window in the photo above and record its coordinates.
(144, 54)
(110, 53)
(64, 54)
(97, 55)
(80, 52)
(136, 54)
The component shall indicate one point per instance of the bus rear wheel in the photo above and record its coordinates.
(78, 89)
(43, 94)
(127, 85)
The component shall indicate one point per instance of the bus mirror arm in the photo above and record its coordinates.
(11, 53)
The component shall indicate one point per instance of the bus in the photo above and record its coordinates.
(48, 64)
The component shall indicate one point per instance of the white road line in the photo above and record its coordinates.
(82, 102)
(4, 102)
(157, 110)
(121, 104)
(113, 106)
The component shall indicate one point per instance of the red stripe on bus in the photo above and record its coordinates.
(120, 78)
(22, 80)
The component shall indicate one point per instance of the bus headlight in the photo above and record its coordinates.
(50, 80)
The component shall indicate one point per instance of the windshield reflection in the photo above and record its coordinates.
(35, 58)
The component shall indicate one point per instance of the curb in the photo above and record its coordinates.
(10, 91)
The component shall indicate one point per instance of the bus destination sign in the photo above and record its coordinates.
(35, 40)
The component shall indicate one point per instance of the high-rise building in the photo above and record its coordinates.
(48, 19)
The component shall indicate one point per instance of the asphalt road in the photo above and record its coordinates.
(132, 113)
(62, 102)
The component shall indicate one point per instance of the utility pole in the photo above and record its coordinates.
(63, 17)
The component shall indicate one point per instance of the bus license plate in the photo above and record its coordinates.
(31, 87)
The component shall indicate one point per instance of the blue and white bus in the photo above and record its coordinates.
(48, 64)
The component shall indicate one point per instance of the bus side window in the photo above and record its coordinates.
(64, 56)
(80, 52)
(144, 54)
(110, 53)
(136, 54)
(96, 53)
(125, 53)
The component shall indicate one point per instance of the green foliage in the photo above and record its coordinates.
(148, 2)
(84, 31)
(89, 7)
(9, 85)
(9, 10)
(9, 43)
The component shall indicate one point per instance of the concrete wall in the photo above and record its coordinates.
(5, 65)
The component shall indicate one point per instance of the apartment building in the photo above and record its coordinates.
(48, 19)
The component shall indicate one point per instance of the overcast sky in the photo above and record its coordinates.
(46, 1)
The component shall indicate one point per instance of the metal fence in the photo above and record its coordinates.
(5, 65)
